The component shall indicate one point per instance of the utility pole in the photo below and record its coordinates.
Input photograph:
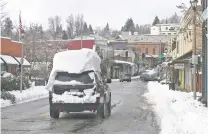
(194, 56)
(81, 35)
(22, 53)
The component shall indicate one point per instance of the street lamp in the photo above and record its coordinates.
(194, 54)
(194, 3)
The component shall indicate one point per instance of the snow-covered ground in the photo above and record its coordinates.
(34, 93)
(178, 112)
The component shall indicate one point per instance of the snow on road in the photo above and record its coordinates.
(178, 112)
(34, 93)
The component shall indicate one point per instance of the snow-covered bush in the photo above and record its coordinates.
(8, 96)
(11, 82)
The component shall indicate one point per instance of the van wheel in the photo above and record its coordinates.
(103, 110)
(54, 113)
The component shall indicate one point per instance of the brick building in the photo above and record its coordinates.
(152, 50)
(10, 56)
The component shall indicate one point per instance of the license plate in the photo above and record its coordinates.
(74, 90)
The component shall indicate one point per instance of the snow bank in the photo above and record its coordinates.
(177, 111)
(34, 93)
(5, 103)
(74, 61)
(67, 97)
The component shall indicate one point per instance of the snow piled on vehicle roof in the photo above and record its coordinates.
(74, 61)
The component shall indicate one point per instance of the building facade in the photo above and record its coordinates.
(10, 56)
(152, 51)
(164, 29)
(182, 49)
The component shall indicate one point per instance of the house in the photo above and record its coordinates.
(182, 48)
(164, 29)
(10, 56)
(124, 58)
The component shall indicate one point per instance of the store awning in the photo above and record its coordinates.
(25, 62)
(1, 61)
(13, 60)
(9, 60)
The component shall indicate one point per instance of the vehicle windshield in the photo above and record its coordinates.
(85, 78)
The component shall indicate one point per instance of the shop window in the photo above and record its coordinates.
(126, 53)
(146, 50)
(154, 51)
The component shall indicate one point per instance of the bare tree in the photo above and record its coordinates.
(55, 27)
(2, 12)
(79, 22)
(70, 26)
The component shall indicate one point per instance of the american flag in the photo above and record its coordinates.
(20, 26)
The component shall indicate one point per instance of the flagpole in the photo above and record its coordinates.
(22, 53)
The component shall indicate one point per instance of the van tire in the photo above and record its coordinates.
(54, 113)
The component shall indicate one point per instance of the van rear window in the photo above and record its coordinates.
(86, 77)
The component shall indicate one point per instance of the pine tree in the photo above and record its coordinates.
(90, 29)
(156, 21)
(7, 27)
(107, 29)
(129, 26)
(64, 37)
(85, 29)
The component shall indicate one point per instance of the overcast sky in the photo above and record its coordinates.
(96, 12)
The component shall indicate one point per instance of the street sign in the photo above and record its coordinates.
(194, 59)
(179, 66)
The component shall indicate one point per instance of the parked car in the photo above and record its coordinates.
(79, 87)
(125, 77)
(143, 74)
(149, 76)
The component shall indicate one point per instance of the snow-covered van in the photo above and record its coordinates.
(75, 84)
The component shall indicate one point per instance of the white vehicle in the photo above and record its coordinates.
(75, 84)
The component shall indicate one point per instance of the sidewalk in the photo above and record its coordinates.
(178, 112)
(34, 93)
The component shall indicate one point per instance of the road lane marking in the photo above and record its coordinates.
(44, 114)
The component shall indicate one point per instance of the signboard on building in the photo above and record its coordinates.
(205, 14)
(179, 66)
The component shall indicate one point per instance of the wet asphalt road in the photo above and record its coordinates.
(131, 114)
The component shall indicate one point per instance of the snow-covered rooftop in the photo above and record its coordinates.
(9, 59)
(25, 62)
(1, 62)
